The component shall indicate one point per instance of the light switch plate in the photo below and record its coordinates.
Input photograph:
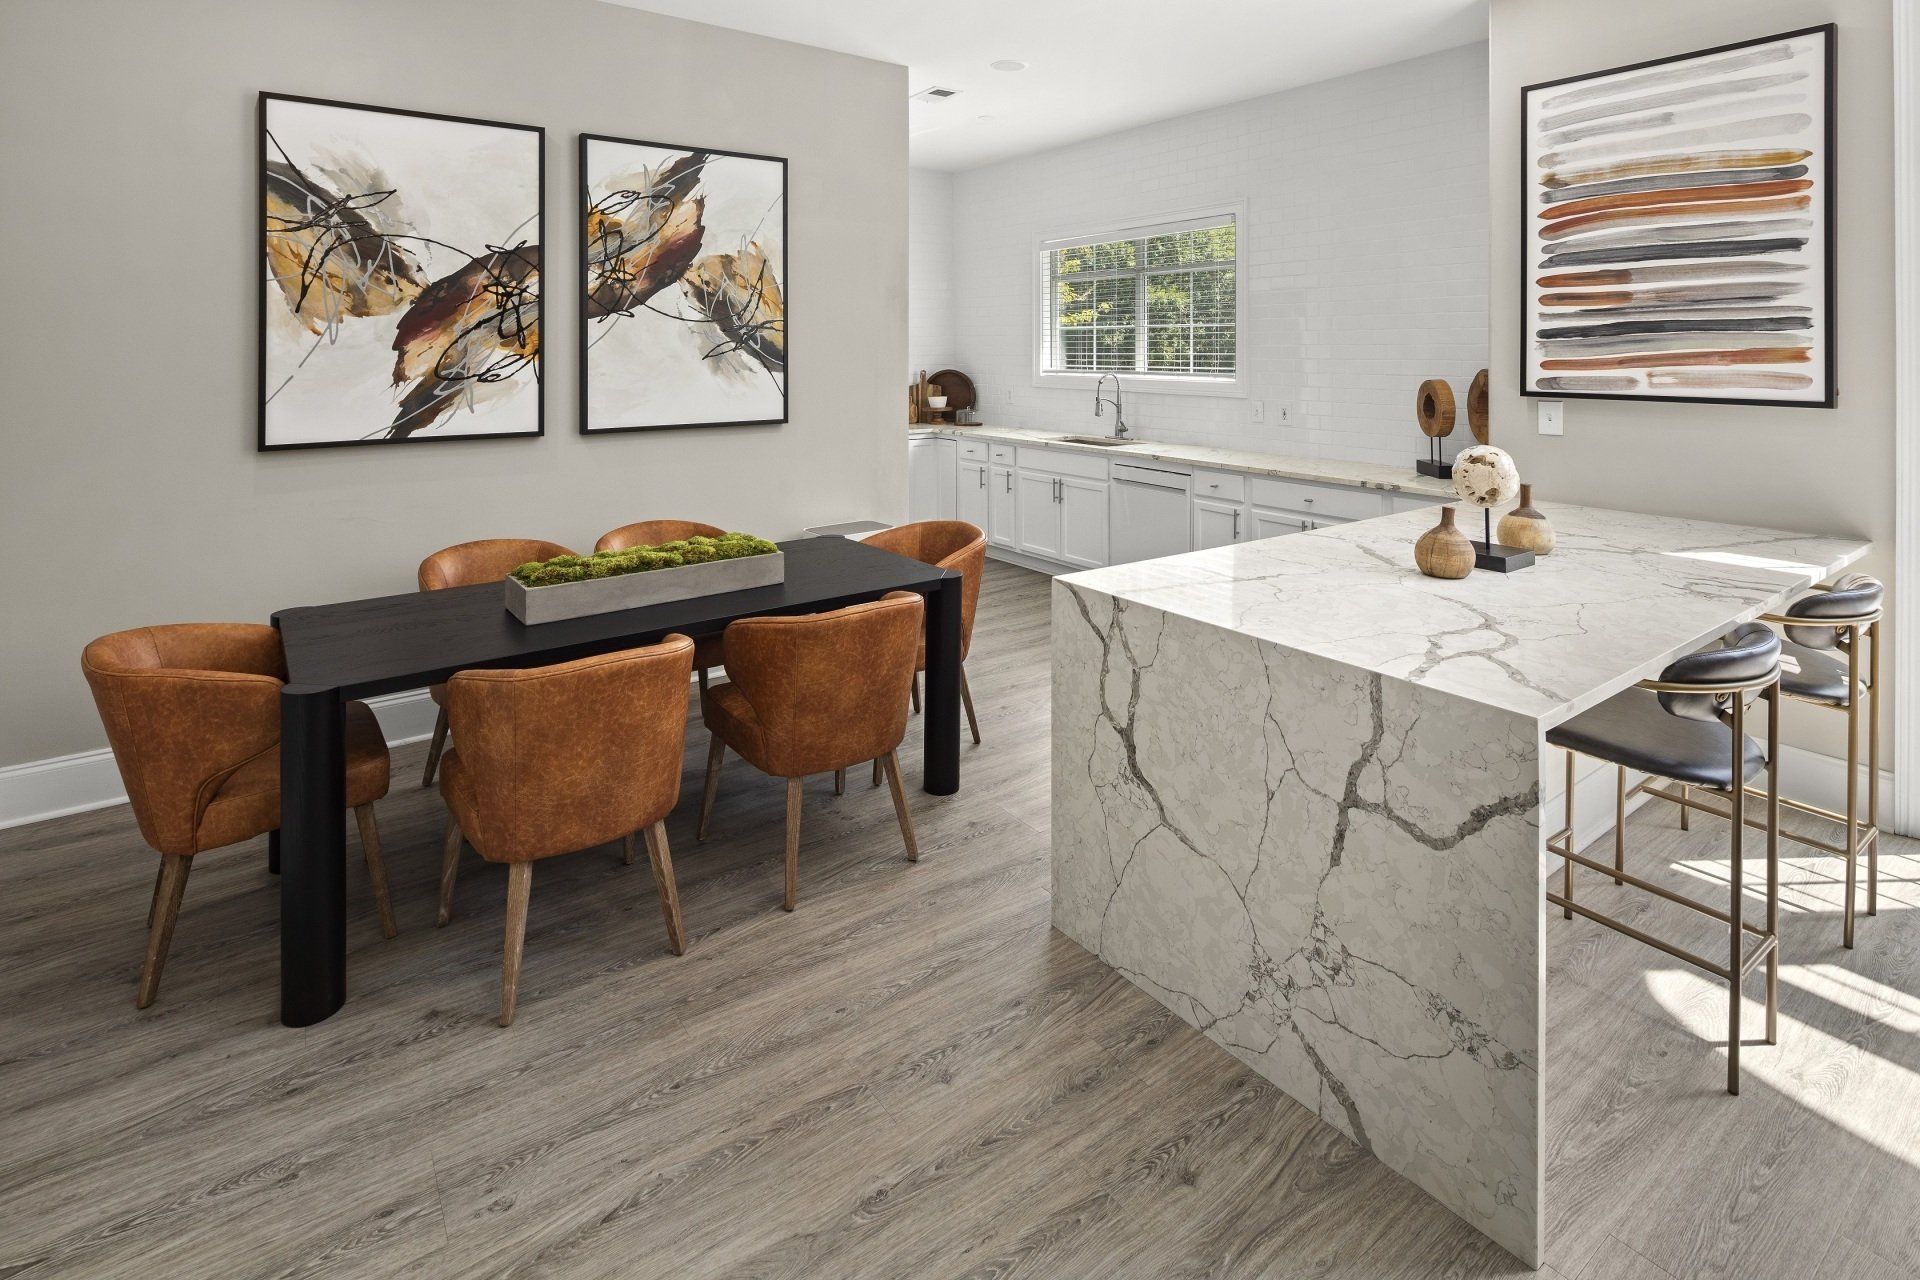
(1552, 420)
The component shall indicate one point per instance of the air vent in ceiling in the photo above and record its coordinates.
(933, 94)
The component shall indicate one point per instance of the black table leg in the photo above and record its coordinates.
(273, 851)
(941, 761)
(313, 838)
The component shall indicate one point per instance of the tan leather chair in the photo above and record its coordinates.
(192, 713)
(651, 533)
(950, 544)
(815, 693)
(554, 759)
(464, 565)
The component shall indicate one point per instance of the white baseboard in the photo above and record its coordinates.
(42, 789)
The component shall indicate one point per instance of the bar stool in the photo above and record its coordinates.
(1812, 672)
(1690, 726)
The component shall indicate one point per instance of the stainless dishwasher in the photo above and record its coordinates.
(1147, 511)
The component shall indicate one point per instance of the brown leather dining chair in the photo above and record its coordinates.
(950, 544)
(651, 533)
(192, 712)
(815, 693)
(550, 760)
(464, 565)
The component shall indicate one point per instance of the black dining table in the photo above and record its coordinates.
(361, 648)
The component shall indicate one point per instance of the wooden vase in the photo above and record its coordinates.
(1526, 528)
(1443, 551)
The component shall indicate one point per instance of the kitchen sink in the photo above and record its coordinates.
(1105, 440)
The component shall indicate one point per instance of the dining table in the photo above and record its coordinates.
(389, 644)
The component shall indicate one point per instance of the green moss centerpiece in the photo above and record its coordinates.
(607, 581)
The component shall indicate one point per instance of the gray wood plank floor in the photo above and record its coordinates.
(912, 1075)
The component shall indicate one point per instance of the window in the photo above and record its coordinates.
(1159, 300)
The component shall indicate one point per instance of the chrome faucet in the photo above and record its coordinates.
(1119, 420)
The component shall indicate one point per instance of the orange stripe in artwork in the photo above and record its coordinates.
(1674, 359)
(1674, 164)
(1616, 298)
(1682, 195)
(1778, 204)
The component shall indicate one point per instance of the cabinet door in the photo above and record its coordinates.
(923, 479)
(1216, 524)
(973, 505)
(1083, 522)
(1039, 513)
(1275, 524)
(948, 456)
(1003, 529)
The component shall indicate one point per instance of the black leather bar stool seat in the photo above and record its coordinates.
(1815, 675)
(1634, 730)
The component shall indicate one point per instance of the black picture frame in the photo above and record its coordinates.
(262, 282)
(1828, 338)
(584, 202)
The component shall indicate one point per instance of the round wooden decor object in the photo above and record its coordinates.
(1443, 551)
(1434, 407)
(956, 386)
(1477, 406)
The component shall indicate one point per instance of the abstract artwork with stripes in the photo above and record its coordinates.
(1679, 228)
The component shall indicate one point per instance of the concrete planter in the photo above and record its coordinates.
(635, 590)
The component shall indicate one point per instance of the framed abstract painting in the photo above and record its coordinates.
(399, 275)
(1679, 220)
(683, 287)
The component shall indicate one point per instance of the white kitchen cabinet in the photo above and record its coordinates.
(1217, 523)
(932, 478)
(974, 504)
(1267, 523)
(1083, 521)
(1003, 527)
(1038, 513)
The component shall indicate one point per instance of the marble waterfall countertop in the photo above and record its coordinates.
(1297, 798)
(1283, 466)
(1620, 597)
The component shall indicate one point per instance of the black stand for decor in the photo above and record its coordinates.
(1431, 464)
(1488, 554)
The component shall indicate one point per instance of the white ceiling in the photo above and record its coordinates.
(1093, 66)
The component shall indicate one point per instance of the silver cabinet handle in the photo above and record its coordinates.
(1236, 526)
(1009, 482)
(1309, 501)
(983, 477)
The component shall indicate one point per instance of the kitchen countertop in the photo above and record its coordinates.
(1283, 466)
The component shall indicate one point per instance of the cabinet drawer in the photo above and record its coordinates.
(1059, 462)
(1331, 501)
(1225, 486)
(973, 450)
(1000, 453)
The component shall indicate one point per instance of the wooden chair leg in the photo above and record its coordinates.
(900, 806)
(449, 869)
(839, 782)
(519, 889)
(167, 892)
(716, 755)
(376, 867)
(626, 849)
(916, 693)
(153, 904)
(662, 858)
(966, 700)
(435, 747)
(793, 844)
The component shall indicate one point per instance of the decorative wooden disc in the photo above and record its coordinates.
(1434, 407)
(1477, 406)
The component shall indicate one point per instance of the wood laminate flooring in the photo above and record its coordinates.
(910, 1076)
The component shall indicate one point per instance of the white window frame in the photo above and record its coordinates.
(1143, 383)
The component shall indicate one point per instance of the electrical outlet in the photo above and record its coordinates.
(1552, 422)
(1259, 410)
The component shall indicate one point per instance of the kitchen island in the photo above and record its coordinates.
(1297, 797)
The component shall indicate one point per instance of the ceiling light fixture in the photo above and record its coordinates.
(1008, 64)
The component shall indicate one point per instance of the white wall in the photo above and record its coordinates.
(1366, 242)
(129, 481)
(930, 343)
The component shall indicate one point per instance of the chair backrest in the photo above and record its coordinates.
(651, 533)
(830, 690)
(486, 560)
(1854, 596)
(1748, 654)
(183, 707)
(950, 544)
(572, 755)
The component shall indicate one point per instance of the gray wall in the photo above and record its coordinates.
(130, 492)
(1824, 470)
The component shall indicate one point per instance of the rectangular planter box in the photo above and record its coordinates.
(634, 590)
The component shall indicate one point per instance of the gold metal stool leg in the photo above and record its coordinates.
(1572, 843)
(1619, 820)
(1737, 795)
(1853, 784)
(1873, 768)
(1773, 863)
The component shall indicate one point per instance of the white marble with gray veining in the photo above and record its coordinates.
(1296, 795)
